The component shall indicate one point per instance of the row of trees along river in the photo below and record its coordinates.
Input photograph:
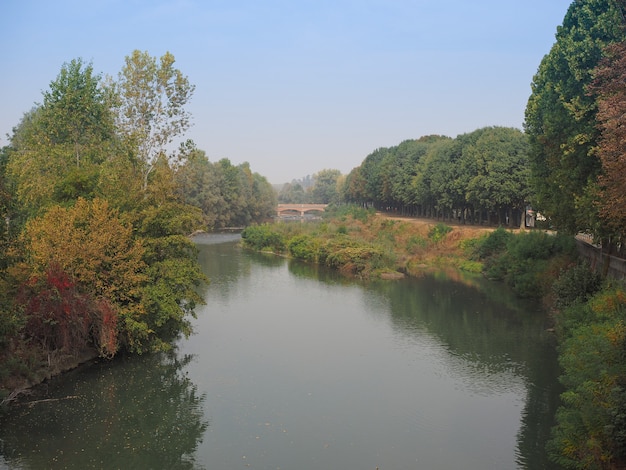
(97, 210)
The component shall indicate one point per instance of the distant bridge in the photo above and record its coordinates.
(299, 209)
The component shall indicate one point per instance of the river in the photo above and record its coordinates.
(295, 367)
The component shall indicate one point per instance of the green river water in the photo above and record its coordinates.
(293, 367)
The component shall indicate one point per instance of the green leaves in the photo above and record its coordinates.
(152, 99)
(228, 195)
(561, 114)
(58, 145)
(589, 434)
(483, 172)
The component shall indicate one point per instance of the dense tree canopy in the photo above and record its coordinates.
(324, 191)
(561, 114)
(97, 210)
(56, 148)
(483, 173)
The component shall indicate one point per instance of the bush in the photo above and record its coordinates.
(416, 244)
(263, 237)
(351, 257)
(494, 243)
(58, 316)
(471, 266)
(576, 284)
(304, 247)
(523, 260)
(590, 431)
(438, 232)
(540, 245)
(342, 211)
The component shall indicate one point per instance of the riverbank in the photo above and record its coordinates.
(49, 366)
(372, 245)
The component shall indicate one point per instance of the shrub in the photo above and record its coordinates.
(438, 232)
(351, 257)
(415, 244)
(57, 315)
(344, 210)
(576, 284)
(539, 245)
(523, 260)
(590, 423)
(493, 244)
(303, 247)
(263, 237)
(471, 266)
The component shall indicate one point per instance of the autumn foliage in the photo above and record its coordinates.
(61, 318)
(610, 84)
(87, 272)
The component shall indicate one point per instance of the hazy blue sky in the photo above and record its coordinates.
(294, 87)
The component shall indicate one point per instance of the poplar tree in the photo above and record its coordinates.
(151, 114)
(561, 115)
(610, 85)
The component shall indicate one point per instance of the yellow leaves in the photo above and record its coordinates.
(89, 242)
(609, 303)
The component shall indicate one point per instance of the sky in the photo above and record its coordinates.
(295, 87)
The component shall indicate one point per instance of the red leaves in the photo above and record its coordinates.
(609, 85)
(60, 317)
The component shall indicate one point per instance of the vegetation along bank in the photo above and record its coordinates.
(97, 207)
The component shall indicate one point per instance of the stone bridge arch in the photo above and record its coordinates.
(300, 209)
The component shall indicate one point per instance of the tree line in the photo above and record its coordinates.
(568, 162)
(98, 196)
(475, 177)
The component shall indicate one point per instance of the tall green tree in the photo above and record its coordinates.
(292, 193)
(198, 183)
(324, 191)
(495, 171)
(77, 112)
(371, 170)
(56, 149)
(354, 187)
(561, 115)
(443, 170)
(152, 99)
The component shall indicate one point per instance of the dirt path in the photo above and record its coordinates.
(465, 228)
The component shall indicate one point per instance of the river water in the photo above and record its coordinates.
(294, 367)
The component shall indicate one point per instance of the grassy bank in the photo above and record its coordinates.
(367, 245)
(361, 243)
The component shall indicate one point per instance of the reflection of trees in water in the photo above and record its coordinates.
(489, 340)
(225, 265)
(494, 340)
(142, 412)
(319, 273)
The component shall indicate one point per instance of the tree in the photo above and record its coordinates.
(57, 147)
(152, 99)
(354, 187)
(292, 193)
(443, 173)
(90, 246)
(324, 191)
(264, 199)
(495, 170)
(609, 85)
(197, 182)
(561, 115)
(76, 111)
